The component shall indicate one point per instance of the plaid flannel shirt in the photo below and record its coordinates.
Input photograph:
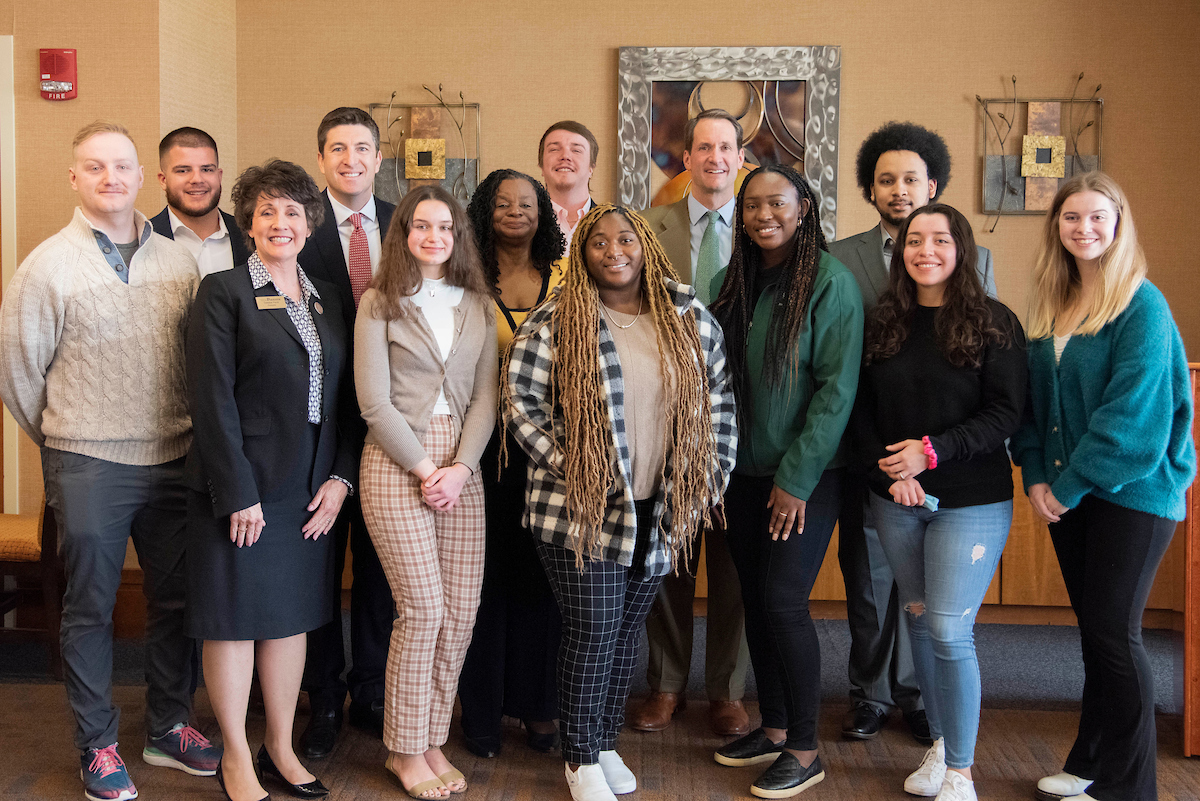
(529, 421)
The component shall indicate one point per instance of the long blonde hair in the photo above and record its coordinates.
(1056, 279)
(576, 382)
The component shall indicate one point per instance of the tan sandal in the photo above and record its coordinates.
(419, 789)
(453, 775)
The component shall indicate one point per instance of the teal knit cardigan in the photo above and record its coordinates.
(1114, 417)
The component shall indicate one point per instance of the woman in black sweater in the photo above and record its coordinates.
(943, 386)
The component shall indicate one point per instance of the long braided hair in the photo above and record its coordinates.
(547, 245)
(577, 385)
(797, 275)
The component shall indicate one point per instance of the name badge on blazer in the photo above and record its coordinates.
(271, 302)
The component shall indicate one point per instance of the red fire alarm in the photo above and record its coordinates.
(59, 75)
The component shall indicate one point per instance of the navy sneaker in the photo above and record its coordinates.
(183, 748)
(104, 775)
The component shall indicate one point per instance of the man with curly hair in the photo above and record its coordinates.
(900, 167)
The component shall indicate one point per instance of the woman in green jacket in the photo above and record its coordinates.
(793, 322)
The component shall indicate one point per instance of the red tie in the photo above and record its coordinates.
(360, 259)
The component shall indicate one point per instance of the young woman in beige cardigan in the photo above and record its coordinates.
(426, 374)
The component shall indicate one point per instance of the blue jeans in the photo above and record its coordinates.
(944, 562)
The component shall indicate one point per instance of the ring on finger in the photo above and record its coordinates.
(902, 476)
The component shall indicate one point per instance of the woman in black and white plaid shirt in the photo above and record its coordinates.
(617, 391)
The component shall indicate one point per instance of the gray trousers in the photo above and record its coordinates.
(99, 505)
(881, 664)
(669, 627)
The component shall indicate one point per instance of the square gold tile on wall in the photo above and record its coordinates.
(425, 158)
(1043, 156)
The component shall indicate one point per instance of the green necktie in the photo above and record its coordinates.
(708, 260)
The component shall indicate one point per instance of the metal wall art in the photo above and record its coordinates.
(427, 143)
(786, 99)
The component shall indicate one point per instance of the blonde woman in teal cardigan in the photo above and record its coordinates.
(1106, 457)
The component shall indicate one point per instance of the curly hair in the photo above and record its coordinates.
(577, 382)
(399, 274)
(797, 275)
(964, 325)
(548, 243)
(275, 179)
(903, 136)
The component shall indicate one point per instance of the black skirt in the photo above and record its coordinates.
(280, 586)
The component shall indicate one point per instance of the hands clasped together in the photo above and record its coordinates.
(245, 526)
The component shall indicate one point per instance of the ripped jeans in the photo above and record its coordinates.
(944, 562)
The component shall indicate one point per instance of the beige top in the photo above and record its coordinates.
(399, 371)
(645, 399)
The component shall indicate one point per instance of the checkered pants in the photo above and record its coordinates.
(603, 609)
(434, 564)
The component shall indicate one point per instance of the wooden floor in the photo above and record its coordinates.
(37, 760)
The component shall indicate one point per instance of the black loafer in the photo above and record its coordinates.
(753, 749)
(918, 724)
(320, 735)
(787, 777)
(863, 722)
(368, 717)
(486, 746)
(313, 789)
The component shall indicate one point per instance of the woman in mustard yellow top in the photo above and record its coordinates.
(510, 667)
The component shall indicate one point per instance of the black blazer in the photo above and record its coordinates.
(323, 257)
(241, 253)
(247, 377)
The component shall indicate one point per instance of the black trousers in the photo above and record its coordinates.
(603, 608)
(511, 665)
(371, 613)
(1109, 555)
(777, 577)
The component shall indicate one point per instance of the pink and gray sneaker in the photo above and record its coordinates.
(104, 775)
(182, 748)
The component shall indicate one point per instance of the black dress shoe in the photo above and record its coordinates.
(486, 746)
(787, 777)
(544, 743)
(221, 781)
(863, 722)
(752, 749)
(918, 724)
(368, 717)
(320, 735)
(313, 789)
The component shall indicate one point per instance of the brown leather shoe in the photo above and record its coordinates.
(654, 714)
(728, 718)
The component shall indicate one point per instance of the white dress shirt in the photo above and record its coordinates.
(566, 224)
(370, 224)
(437, 300)
(213, 254)
(696, 211)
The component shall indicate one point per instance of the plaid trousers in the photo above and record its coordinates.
(603, 608)
(434, 564)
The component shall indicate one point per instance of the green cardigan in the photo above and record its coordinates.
(1114, 417)
(798, 425)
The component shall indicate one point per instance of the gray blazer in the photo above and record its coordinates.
(863, 254)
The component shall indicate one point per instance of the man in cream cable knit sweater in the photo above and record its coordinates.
(91, 366)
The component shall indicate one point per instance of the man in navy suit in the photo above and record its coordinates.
(190, 173)
(345, 251)
(900, 167)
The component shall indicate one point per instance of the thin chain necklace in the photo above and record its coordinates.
(614, 322)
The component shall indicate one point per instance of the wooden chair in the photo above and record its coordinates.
(29, 553)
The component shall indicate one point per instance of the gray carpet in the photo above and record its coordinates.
(1022, 667)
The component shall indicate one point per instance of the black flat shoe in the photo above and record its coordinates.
(313, 789)
(486, 747)
(752, 749)
(787, 777)
(918, 725)
(221, 781)
(863, 722)
(544, 743)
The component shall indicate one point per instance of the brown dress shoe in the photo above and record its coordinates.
(654, 714)
(728, 718)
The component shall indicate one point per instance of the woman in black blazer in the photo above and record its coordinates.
(273, 458)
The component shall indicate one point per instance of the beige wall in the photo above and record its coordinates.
(532, 63)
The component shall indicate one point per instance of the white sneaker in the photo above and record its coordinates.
(588, 784)
(927, 779)
(1061, 785)
(618, 775)
(957, 787)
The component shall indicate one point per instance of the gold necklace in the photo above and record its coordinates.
(614, 322)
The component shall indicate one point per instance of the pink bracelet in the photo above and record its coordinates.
(930, 456)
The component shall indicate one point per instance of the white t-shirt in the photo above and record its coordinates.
(437, 300)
